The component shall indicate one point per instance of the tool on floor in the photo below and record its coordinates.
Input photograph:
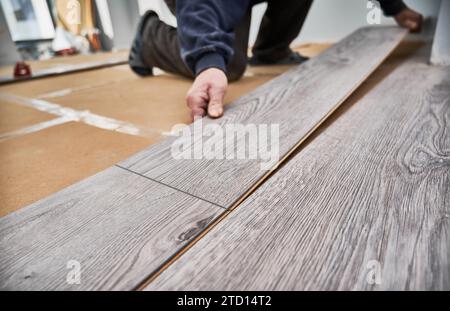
(21, 70)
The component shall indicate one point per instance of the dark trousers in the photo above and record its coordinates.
(156, 43)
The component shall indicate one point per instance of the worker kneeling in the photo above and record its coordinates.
(211, 41)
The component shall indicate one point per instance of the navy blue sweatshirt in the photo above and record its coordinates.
(205, 29)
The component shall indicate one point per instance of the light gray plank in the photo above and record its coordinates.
(119, 226)
(440, 54)
(298, 101)
(65, 69)
(374, 185)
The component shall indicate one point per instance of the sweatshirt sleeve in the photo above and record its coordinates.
(392, 7)
(206, 31)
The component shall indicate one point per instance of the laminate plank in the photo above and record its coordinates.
(117, 225)
(369, 196)
(65, 69)
(440, 54)
(298, 101)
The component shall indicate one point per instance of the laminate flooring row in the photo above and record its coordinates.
(123, 225)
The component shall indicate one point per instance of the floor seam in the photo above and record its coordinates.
(172, 187)
(34, 128)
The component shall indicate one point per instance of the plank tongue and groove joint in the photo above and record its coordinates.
(124, 224)
(298, 101)
(364, 206)
(115, 226)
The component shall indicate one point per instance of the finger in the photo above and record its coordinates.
(215, 106)
(197, 103)
(215, 109)
(197, 113)
(196, 100)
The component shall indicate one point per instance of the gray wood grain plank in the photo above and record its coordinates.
(119, 226)
(440, 53)
(297, 101)
(373, 187)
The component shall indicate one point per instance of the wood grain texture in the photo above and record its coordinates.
(119, 226)
(298, 101)
(374, 185)
(440, 54)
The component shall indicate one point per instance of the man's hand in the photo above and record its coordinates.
(410, 19)
(207, 94)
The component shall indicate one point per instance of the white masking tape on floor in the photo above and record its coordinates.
(81, 116)
(34, 128)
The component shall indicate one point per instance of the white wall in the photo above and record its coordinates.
(328, 20)
(125, 18)
(159, 7)
(331, 20)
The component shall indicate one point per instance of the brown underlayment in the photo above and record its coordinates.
(155, 103)
(36, 165)
(14, 117)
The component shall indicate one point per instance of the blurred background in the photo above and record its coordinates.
(42, 29)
